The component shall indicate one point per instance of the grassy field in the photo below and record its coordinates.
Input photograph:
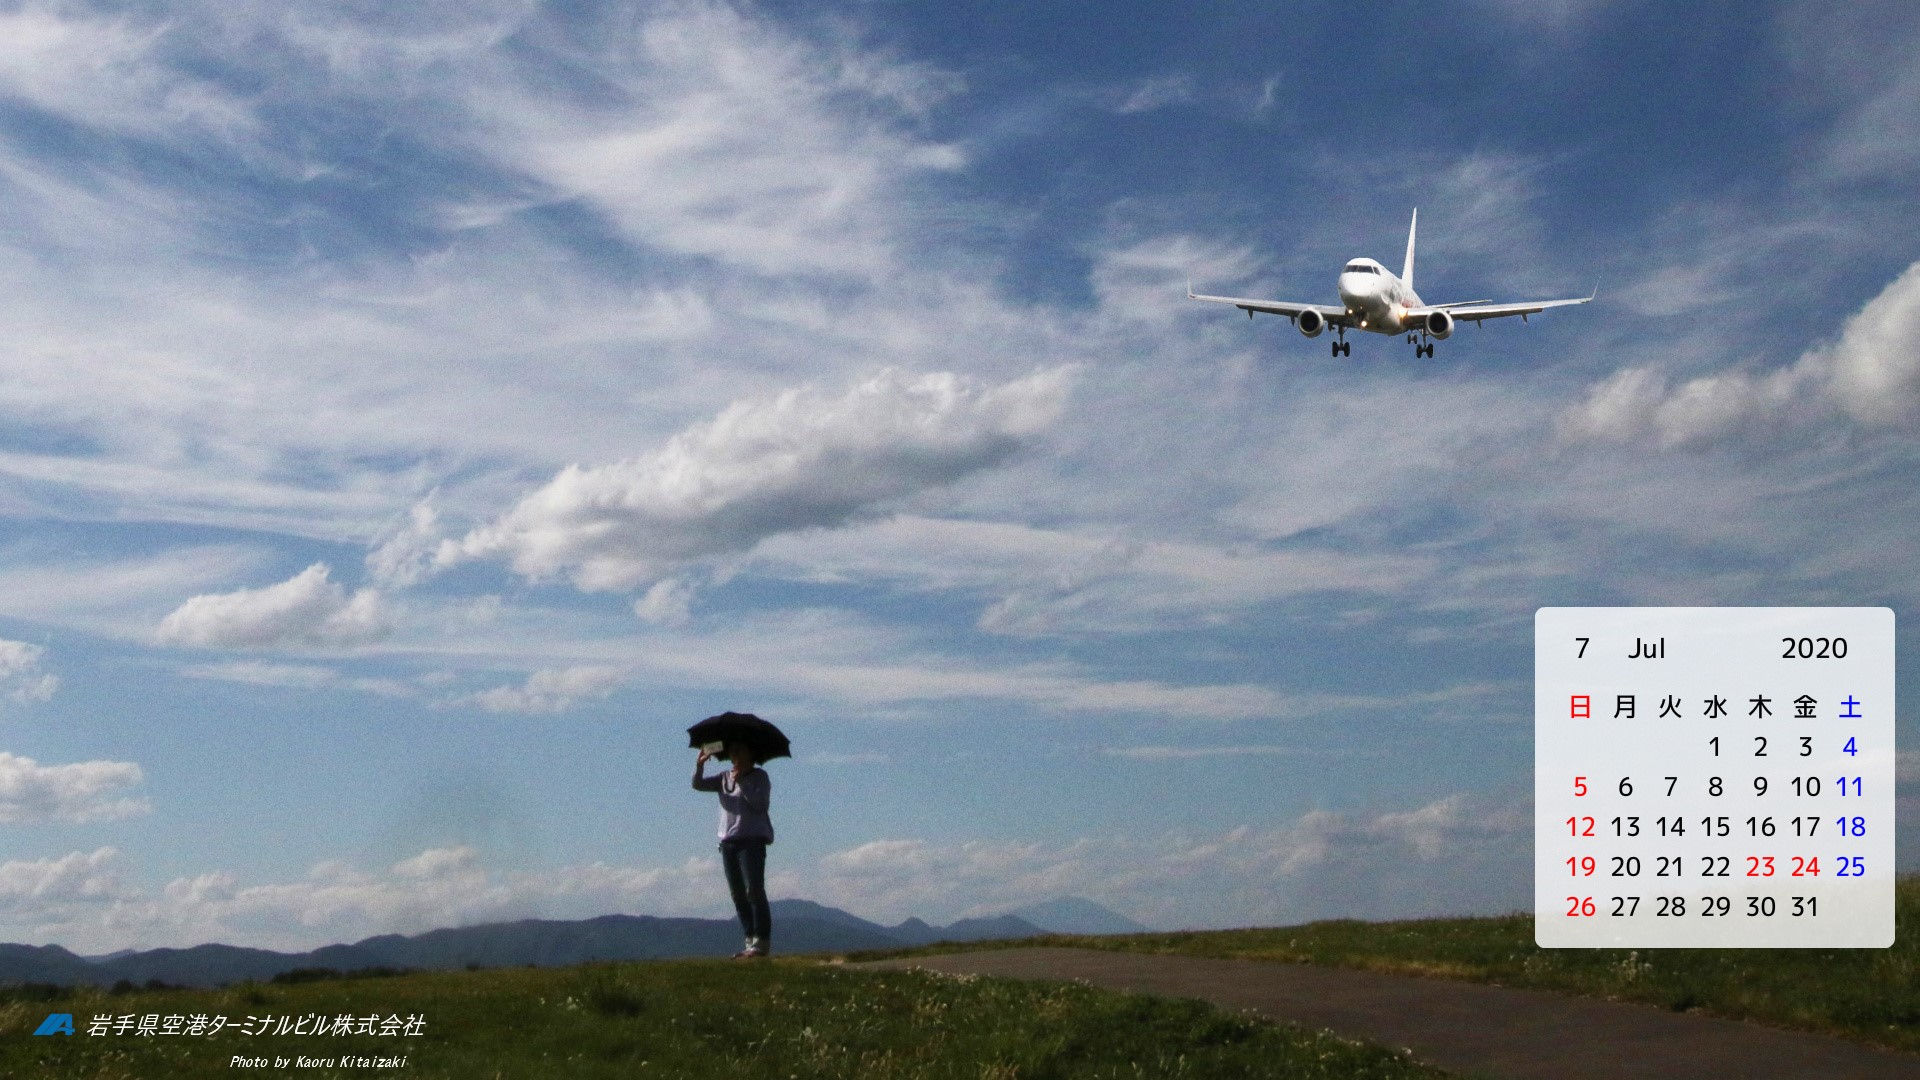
(786, 1020)
(1872, 995)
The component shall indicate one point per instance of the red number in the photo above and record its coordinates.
(1573, 823)
(1760, 867)
(1579, 906)
(1582, 867)
(1579, 785)
(1806, 867)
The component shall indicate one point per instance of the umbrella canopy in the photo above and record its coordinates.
(765, 740)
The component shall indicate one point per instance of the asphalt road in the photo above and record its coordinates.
(1467, 1028)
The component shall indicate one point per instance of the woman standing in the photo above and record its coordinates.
(745, 832)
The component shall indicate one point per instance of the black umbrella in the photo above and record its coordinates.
(765, 740)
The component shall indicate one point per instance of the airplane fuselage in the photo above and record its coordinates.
(1376, 298)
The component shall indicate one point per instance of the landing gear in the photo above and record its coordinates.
(1343, 347)
(1423, 350)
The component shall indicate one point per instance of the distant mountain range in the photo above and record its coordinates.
(799, 926)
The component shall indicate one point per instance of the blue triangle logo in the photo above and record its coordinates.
(56, 1024)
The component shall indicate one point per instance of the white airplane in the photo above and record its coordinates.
(1372, 298)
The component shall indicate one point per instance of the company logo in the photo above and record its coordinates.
(56, 1024)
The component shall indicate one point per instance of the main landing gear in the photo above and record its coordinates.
(1343, 347)
(1420, 348)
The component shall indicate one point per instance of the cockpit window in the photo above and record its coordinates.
(1360, 268)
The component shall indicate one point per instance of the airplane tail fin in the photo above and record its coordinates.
(1406, 270)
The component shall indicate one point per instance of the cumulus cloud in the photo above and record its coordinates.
(20, 676)
(80, 900)
(668, 603)
(549, 690)
(803, 460)
(1428, 859)
(306, 609)
(1321, 864)
(33, 885)
(1872, 375)
(85, 791)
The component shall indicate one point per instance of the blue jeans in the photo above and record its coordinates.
(746, 864)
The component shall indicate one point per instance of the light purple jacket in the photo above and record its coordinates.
(743, 806)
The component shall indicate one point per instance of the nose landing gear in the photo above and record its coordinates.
(1343, 347)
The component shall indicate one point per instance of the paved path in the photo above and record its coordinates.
(1469, 1028)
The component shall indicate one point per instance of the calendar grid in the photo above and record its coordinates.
(1714, 777)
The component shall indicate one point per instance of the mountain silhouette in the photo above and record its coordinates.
(799, 926)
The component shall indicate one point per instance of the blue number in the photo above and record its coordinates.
(1849, 747)
(1852, 826)
(1852, 866)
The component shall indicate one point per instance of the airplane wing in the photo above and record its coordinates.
(1333, 313)
(1480, 310)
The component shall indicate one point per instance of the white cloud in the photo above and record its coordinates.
(80, 900)
(20, 676)
(113, 597)
(549, 690)
(405, 555)
(669, 602)
(1179, 753)
(1157, 93)
(818, 654)
(1550, 14)
(1321, 864)
(1050, 581)
(858, 757)
(296, 676)
(687, 161)
(306, 609)
(103, 73)
(85, 791)
(32, 886)
(1875, 367)
(1427, 860)
(803, 460)
(1871, 374)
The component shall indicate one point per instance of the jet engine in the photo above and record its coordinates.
(1311, 323)
(1439, 325)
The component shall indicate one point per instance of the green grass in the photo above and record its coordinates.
(786, 1020)
(1872, 995)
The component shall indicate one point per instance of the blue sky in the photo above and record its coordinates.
(412, 421)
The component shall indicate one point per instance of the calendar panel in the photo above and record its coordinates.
(1714, 777)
